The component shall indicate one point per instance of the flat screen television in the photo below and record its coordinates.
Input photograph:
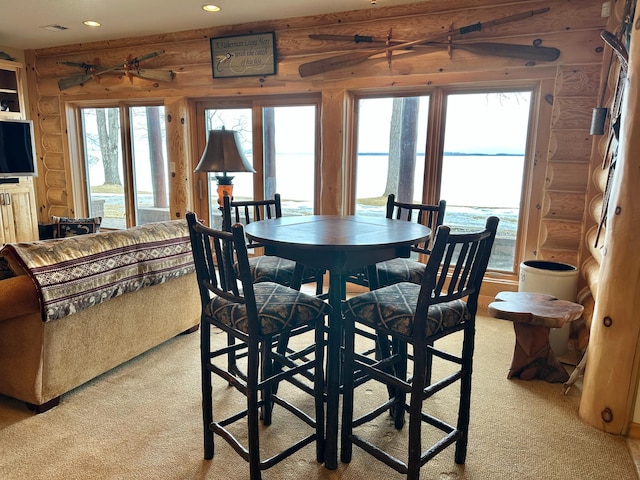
(17, 148)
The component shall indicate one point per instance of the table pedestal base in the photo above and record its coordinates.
(533, 357)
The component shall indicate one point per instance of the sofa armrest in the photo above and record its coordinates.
(18, 296)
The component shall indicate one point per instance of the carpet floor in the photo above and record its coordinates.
(142, 420)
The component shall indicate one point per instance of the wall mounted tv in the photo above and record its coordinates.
(17, 148)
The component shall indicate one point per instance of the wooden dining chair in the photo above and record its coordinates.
(409, 269)
(266, 267)
(254, 314)
(445, 302)
(403, 269)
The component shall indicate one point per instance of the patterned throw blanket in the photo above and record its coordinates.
(74, 273)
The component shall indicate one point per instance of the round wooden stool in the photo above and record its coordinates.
(533, 315)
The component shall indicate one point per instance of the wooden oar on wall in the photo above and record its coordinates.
(355, 58)
(526, 52)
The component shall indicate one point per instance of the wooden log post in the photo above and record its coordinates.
(611, 375)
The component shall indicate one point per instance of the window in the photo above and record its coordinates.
(126, 174)
(282, 151)
(475, 158)
(391, 138)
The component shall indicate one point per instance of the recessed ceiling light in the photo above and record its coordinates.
(91, 23)
(211, 8)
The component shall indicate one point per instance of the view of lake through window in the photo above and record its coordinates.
(481, 169)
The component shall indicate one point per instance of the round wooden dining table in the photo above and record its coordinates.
(340, 245)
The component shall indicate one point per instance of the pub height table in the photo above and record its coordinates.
(340, 245)
(533, 315)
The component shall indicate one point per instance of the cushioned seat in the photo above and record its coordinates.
(393, 308)
(400, 270)
(279, 308)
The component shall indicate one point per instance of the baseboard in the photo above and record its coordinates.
(634, 431)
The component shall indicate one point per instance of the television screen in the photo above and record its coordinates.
(17, 149)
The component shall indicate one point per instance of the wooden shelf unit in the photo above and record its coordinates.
(18, 214)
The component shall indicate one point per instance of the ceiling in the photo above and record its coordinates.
(21, 23)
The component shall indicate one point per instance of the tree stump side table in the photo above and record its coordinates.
(533, 315)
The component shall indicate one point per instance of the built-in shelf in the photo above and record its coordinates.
(10, 88)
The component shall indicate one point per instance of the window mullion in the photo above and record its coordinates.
(127, 165)
(434, 147)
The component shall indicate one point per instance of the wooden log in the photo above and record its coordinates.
(590, 271)
(180, 157)
(611, 376)
(562, 235)
(596, 251)
(568, 176)
(563, 205)
(600, 176)
(570, 146)
(595, 207)
(558, 255)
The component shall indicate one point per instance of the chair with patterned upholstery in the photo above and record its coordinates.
(404, 269)
(408, 269)
(265, 267)
(444, 302)
(254, 314)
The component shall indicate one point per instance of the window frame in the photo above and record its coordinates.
(200, 187)
(80, 200)
(532, 181)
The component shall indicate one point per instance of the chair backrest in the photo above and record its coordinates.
(214, 254)
(430, 216)
(456, 267)
(247, 211)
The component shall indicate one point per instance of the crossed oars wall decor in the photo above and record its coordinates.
(130, 67)
(440, 40)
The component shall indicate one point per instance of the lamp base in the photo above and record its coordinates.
(225, 188)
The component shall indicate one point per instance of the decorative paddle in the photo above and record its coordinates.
(351, 59)
(526, 52)
(69, 82)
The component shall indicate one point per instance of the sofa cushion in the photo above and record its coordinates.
(68, 227)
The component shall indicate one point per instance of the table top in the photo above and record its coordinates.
(336, 231)
(335, 242)
(535, 309)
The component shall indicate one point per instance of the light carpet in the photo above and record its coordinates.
(143, 421)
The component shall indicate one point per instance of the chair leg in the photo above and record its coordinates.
(400, 371)
(232, 365)
(347, 399)
(207, 389)
(253, 367)
(415, 411)
(319, 283)
(267, 368)
(468, 346)
(318, 391)
(429, 365)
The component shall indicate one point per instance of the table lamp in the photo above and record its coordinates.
(223, 154)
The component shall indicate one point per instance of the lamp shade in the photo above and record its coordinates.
(223, 154)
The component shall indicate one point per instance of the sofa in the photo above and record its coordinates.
(73, 308)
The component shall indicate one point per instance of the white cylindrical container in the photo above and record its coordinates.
(552, 278)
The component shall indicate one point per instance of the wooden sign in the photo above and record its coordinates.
(244, 55)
